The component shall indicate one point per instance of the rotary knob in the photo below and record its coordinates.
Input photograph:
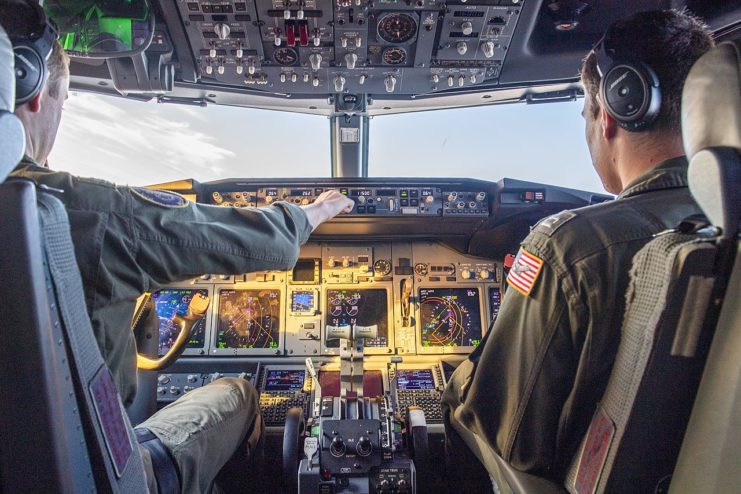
(339, 84)
(364, 446)
(315, 59)
(331, 262)
(484, 274)
(350, 60)
(222, 30)
(467, 28)
(361, 199)
(390, 83)
(466, 274)
(461, 47)
(488, 49)
(346, 263)
(337, 448)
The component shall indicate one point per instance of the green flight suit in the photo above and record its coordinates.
(132, 240)
(530, 389)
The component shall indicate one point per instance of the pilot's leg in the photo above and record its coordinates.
(208, 427)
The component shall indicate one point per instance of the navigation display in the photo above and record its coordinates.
(303, 302)
(169, 302)
(284, 380)
(248, 319)
(450, 317)
(359, 307)
(415, 379)
(495, 300)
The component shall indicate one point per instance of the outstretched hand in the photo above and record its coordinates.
(327, 206)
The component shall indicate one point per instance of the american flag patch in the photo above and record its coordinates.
(524, 272)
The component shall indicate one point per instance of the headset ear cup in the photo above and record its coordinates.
(631, 94)
(30, 72)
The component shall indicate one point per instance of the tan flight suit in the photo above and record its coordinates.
(131, 240)
(530, 389)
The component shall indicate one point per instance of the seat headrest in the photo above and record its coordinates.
(711, 129)
(13, 140)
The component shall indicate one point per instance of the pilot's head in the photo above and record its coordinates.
(667, 42)
(42, 113)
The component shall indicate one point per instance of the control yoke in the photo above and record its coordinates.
(196, 311)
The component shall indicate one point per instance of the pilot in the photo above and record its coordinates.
(530, 389)
(130, 240)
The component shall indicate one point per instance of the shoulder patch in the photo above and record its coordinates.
(549, 225)
(524, 272)
(160, 197)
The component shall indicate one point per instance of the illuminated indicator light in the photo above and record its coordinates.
(303, 32)
(290, 34)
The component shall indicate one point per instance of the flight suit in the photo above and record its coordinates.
(132, 240)
(530, 389)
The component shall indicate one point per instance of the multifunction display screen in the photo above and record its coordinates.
(359, 307)
(248, 319)
(303, 302)
(450, 317)
(284, 380)
(168, 303)
(415, 379)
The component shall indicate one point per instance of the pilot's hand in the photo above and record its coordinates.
(327, 206)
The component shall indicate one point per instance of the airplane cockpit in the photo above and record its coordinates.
(350, 349)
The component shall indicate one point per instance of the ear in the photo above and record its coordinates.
(34, 104)
(608, 123)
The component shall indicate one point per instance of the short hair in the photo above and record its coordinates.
(20, 20)
(668, 41)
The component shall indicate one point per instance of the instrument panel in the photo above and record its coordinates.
(415, 297)
(349, 46)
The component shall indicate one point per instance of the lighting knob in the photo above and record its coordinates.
(346, 263)
(452, 196)
(466, 274)
(461, 47)
(467, 28)
(315, 82)
(268, 199)
(429, 199)
(304, 202)
(361, 80)
(339, 84)
(481, 196)
(222, 30)
(450, 81)
(192, 378)
(488, 48)
(361, 199)
(390, 82)
(350, 60)
(484, 274)
(315, 59)
(460, 205)
(331, 262)
(163, 379)
(365, 446)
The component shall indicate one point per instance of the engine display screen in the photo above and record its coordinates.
(303, 302)
(415, 379)
(284, 380)
(450, 317)
(168, 303)
(359, 307)
(495, 300)
(248, 319)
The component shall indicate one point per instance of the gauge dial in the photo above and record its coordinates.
(394, 55)
(381, 267)
(397, 27)
(286, 56)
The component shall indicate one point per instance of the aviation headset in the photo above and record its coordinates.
(31, 52)
(629, 89)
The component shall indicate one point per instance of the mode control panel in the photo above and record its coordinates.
(408, 200)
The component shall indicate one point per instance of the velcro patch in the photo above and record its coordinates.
(162, 198)
(549, 225)
(524, 272)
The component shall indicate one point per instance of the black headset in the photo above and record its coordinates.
(31, 52)
(629, 89)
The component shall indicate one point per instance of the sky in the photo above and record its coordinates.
(136, 143)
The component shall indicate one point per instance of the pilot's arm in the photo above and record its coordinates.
(530, 390)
